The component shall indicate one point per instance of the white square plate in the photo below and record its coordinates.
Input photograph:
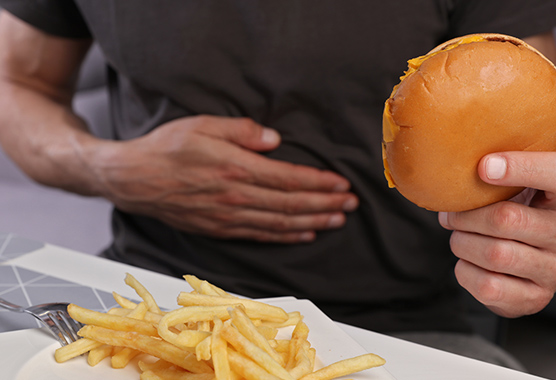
(29, 354)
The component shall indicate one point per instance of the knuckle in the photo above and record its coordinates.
(536, 301)
(233, 172)
(291, 183)
(245, 126)
(500, 254)
(233, 198)
(248, 123)
(489, 290)
(527, 168)
(544, 299)
(281, 224)
(509, 217)
(292, 205)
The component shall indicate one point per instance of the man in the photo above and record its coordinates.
(247, 150)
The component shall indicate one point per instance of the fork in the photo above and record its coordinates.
(53, 316)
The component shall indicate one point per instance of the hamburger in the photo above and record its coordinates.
(468, 97)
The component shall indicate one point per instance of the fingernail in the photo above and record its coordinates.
(350, 205)
(307, 236)
(496, 167)
(270, 136)
(336, 221)
(443, 219)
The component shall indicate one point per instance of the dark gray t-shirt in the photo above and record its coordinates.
(319, 72)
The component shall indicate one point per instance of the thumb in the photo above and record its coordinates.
(520, 169)
(243, 132)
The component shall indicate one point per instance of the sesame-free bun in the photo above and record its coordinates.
(468, 97)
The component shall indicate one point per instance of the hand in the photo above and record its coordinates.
(507, 250)
(202, 175)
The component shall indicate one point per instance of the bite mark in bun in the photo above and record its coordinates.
(468, 97)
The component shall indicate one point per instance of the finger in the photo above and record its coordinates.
(506, 220)
(292, 177)
(262, 227)
(506, 256)
(507, 296)
(241, 131)
(207, 227)
(223, 218)
(286, 202)
(278, 223)
(268, 236)
(253, 168)
(521, 169)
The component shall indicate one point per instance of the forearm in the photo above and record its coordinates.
(46, 139)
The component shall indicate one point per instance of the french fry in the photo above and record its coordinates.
(123, 302)
(188, 314)
(96, 355)
(143, 293)
(205, 287)
(281, 346)
(255, 309)
(300, 334)
(202, 350)
(139, 311)
(312, 354)
(203, 326)
(149, 345)
(293, 318)
(113, 322)
(247, 368)
(244, 325)
(174, 374)
(149, 316)
(219, 352)
(149, 375)
(122, 358)
(346, 367)
(190, 338)
(303, 361)
(254, 352)
(153, 366)
(268, 332)
(74, 349)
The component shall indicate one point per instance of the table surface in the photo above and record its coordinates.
(33, 272)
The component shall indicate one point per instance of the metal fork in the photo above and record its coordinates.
(53, 316)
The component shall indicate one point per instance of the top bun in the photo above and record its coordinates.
(468, 97)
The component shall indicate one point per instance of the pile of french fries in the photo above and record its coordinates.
(213, 335)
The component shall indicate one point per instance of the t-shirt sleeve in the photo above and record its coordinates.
(519, 18)
(58, 17)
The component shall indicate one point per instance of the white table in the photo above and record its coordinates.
(405, 360)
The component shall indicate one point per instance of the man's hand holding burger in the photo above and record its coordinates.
(507, 250)
(456, 106)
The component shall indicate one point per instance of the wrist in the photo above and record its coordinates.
(94, 157)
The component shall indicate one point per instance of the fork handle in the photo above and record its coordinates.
(10, 306)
